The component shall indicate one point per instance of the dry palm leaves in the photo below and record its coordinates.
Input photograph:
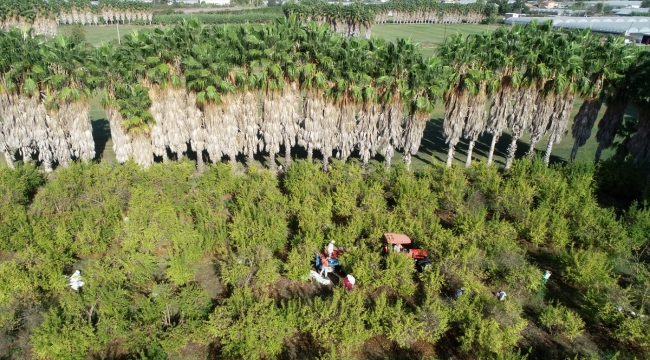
(541, 119)
(559, 121)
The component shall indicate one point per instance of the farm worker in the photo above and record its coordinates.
(330, 248)
(349, 281)
(397, 248)
(547, 274)
(501, 295)
(459, 292)
(324, 267)
(75, 280)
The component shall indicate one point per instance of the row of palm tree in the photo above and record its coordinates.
(45, 91)
(229, 90)
(531, 77)
(349, 19)
(25, 14)
(432, 12)
(109, 11)
(43, 16)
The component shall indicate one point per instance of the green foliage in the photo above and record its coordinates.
(251, 267)
(450, 183)
(624, 179)
(250, 327)
(560, 320)
(338, 320)
(259, 213)
(591, 268)
(492, 330)
(63, 338)
(217, 18)
(171, 258)
(16, 190)
(634, 330)
(393, 321)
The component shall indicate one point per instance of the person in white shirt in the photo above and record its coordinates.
(330, 248)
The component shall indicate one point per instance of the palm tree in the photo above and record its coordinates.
(127, 102)
(505, 61)
(425, 89)
(532, 68)
(459, 53)
(566, 83)
(639, 91)
(69, 88)
(606, 62)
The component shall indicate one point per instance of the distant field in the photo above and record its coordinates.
(428, 35)
(102, 34)
(433, 144)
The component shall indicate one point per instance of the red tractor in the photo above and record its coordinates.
(402, 245)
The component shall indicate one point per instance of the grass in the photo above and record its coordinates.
(433, 147)
(428, 35)
(102, 34)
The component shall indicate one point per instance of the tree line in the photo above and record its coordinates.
(230, 90)
(351, 19)
(44, 16)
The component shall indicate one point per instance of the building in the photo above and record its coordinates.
(549, 4)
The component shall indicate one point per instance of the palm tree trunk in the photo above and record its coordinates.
(599, 151)
(272, 165)
(470, 148)
(549, 148)
(9, 159)
(200, 164)
(250, 157)
(574, 151)
(512, 149)
(407, 159)
(27, 155)
(326, 162)
(287, 154)
(531, 152)
(495, 138)
(47, 165)
(450, 155)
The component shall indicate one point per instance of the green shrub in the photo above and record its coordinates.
(395, 322)
(259, 213)
(62, 338)
(589, 268)
(560, 320)
(621, 179)
(249, 327)
(338, 320)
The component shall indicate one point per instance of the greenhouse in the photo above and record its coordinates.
(610, 25)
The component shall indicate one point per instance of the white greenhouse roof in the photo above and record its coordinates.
(630, 11)
(612, 25)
